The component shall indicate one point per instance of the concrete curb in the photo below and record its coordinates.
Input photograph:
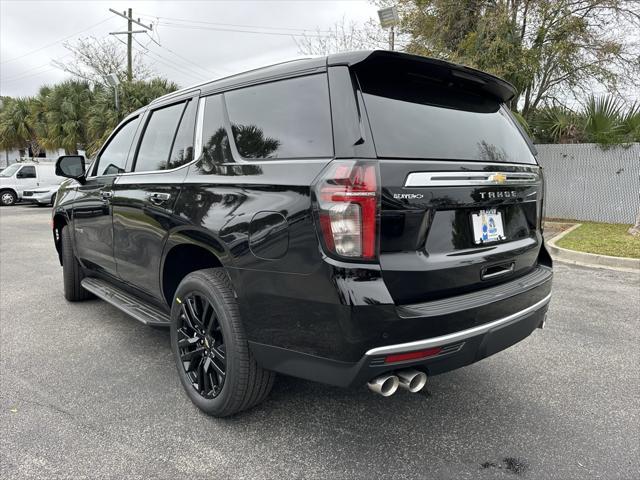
(590, 259)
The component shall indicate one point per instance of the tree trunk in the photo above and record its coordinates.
(635, 230)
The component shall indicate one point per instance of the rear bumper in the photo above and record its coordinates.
(458, 349)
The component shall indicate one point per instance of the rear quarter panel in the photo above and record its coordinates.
(222, 200)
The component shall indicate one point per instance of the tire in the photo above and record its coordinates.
(244, 383)
(71, 270)
(7, 198)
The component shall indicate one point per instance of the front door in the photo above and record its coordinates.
(143, 199)
(26, 178)
(92, 219)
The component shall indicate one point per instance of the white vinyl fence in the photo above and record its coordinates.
(586, 182)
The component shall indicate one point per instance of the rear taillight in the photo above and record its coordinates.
(348, 199)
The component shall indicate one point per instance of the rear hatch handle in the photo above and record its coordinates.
(495, 271)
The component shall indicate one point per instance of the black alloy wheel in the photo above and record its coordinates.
(201, 345)
(210, 347)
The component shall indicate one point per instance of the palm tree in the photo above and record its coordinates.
(630, 123)
(603, 120)
(38, 114)
(557, 124)
(67, 108)
(17, 129)
(103, 117)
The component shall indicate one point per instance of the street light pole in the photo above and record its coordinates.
(115, 89)
(391, 38)
(113, 81)
(389, 18)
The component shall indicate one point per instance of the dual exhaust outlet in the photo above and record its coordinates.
(408, 379)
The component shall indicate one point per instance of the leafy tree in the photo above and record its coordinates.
(343, 37)
(547, 48)
(95, 58)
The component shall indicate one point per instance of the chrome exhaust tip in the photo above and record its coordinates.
(543, 323)
(386, 385)
(412, 380)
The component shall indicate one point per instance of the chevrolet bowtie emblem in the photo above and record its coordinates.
(498, 178)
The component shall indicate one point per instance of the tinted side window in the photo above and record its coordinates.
(284, 119)
(215, 142)
(114, 156)
(182, 151)
(157, 139)
(28, 171)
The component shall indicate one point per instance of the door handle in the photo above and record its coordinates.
(106, 194)
(158, 198)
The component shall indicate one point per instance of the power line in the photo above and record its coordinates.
(37, 67)
(171, 63)
(184, 59)
(56, 42)
(218, 29)
(298, 29)
(30, 75)
(168, 63)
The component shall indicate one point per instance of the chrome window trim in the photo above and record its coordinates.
(197, 147)
(196, 156)
(454, 179)
(456, 336)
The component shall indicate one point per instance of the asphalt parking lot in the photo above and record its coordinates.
(86, 392)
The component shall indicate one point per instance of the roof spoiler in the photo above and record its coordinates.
(492, 85)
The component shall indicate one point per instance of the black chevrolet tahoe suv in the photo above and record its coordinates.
(362, 218)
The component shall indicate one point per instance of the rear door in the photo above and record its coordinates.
(92, 221)
(461, 190)
(144, 198)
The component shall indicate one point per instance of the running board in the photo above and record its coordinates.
(129, 304)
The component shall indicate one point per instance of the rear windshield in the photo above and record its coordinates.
(416, 116)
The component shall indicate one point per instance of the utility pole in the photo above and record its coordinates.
(130, 46)
(128, 15)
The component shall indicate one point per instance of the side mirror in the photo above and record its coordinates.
(71, 166)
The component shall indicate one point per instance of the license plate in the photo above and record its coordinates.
(487, 226)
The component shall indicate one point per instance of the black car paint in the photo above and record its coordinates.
(307, 313)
